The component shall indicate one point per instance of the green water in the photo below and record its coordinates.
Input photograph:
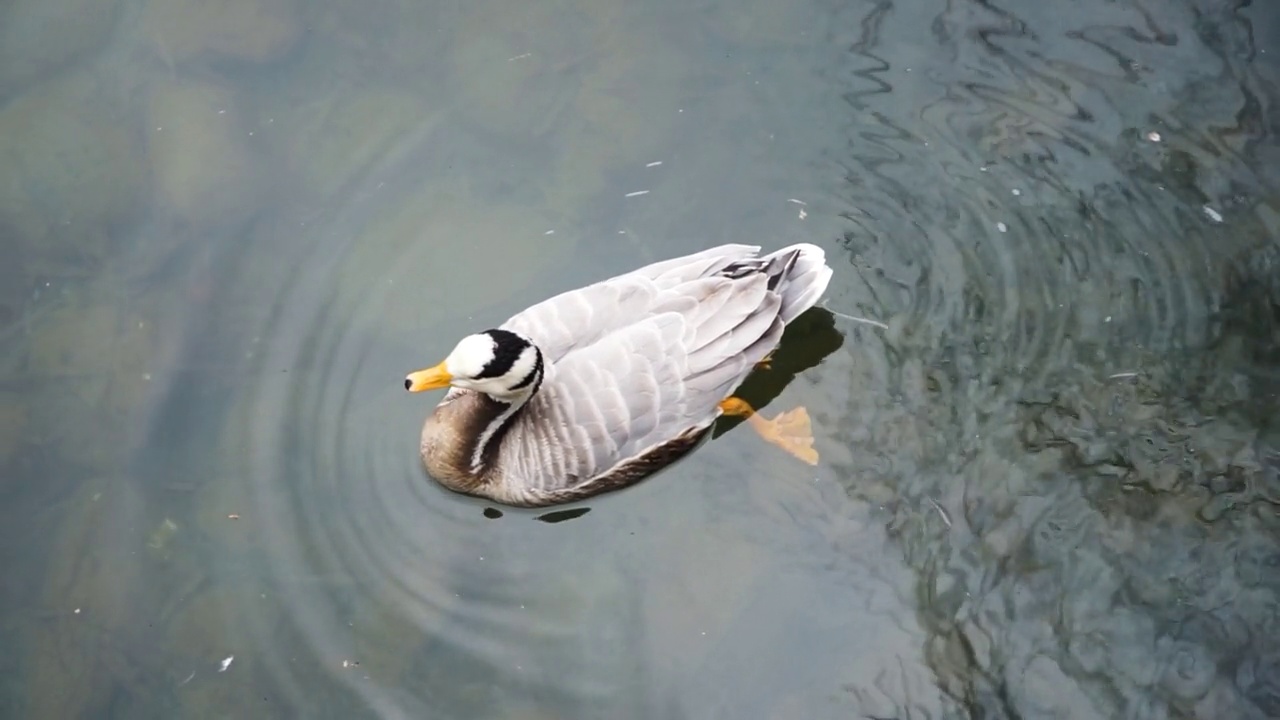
(1050, 481)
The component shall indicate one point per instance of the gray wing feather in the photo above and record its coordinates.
(582, 316)
(805, 280)
(639, 359)
(647, 384)
(668, 273)
(606, 402)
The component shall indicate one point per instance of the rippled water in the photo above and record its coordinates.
(1051, 460)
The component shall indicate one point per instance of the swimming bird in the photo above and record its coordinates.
(597, 388)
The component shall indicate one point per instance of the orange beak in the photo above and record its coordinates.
(429, 379)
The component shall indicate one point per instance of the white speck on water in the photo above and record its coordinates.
(76, 611)
(803, 214)
(549, 232)
(982, 169)
(226, 663)
(1122, 375)
(1108, 319)
(637, 193)
(941, 513)
(519, 57)
(1002, 227)
(655, 163)
(222, 112)
(797, 202)
(855, 318)
(1153, 136)
(1214, 215)
(146, 376)
(1016, 191)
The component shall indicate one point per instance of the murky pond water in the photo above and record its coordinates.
(1046, 401)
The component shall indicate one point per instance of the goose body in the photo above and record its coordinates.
(596, 388)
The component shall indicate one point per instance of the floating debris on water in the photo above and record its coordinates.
(797, 202)
(1214, 215)
(941, 513)
(855, 318)
(226, 663)
(1016, 191)
(161, 536)
(637, 193)
(655, 163)
(1153, 136)
(1002, 227)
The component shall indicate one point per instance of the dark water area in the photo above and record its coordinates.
(1045, 385)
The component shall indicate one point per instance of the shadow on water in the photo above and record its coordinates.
(1045, 387)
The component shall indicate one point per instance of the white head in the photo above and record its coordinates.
(500, 363)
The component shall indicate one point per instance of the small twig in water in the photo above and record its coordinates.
(184, 682)
(941, 513)
(1117, 376)
(854, 318)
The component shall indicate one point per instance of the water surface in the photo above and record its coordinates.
(1051, 460)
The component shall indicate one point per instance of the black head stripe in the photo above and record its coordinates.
(507, 347)
(534, 374)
